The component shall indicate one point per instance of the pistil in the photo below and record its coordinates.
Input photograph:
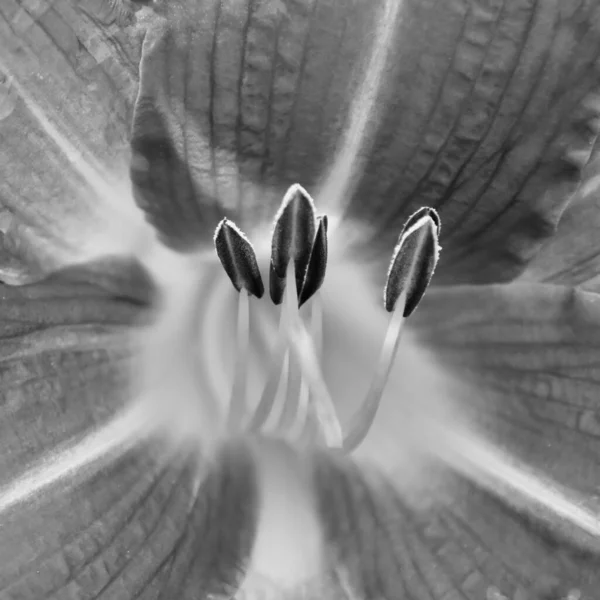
(238, 408)
(280, 356)
(290, 405)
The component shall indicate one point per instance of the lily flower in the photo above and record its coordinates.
(231, 364)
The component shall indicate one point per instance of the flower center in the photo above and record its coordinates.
(217, 364)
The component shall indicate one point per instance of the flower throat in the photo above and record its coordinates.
(297, 270)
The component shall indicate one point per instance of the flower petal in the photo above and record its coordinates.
(88, 505)
(70, 78)
(62, 347)
(487, 111)
(526, 355)
(149, 524)
(73, 61)
(572, 255)
(465, 546)
(125, 279)
(236, 103)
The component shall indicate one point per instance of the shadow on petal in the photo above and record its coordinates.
(572, 255)
(238, 100)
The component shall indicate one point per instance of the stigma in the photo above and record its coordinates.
(305, 414)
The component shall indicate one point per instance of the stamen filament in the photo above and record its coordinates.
(292, 408)
(321, 404)
(293, 338)
(364, 417)
(303, 352)
(273, 422)
(237, 404)
(304, 427)
(297, 430)
(267, 401)
(316, 328)
(289, 401)
(316, 325)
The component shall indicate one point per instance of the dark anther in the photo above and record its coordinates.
(414, 260)
(293, 236)
(317, 263)
(238, 258)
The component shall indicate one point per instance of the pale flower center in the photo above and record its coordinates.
(233, 365)
(220, 360)
(189, 379)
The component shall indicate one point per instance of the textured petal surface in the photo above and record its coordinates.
(468, 546)
(62, 347)
(531, 351)
(68, 77)
(526, 356)
(505, 117)
(90, 508)
(148, 525)
(487, 111)
(572, 255)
